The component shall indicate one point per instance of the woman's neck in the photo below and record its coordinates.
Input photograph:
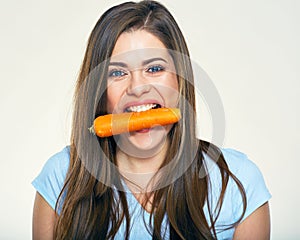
(138, 172)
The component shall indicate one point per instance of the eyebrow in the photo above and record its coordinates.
(122, 64)
(153, 60)
(119, 64)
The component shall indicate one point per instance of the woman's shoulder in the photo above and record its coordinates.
(58, 164)
(250, 176)
(50, 180)
(237, 161)
(241, 165)
(59, 160)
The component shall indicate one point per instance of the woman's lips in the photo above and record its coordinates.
(141, 106)
(146, 130)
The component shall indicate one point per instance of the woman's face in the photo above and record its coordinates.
(141, 76)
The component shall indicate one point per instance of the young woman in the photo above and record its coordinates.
(158, 183)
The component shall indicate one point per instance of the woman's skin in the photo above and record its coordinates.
(141, 73)
(43, 220)
(132, 82)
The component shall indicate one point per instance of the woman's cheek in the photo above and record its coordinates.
(115, 93)
(111, 99)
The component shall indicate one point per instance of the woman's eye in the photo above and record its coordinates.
(154, 69)
(116, 73)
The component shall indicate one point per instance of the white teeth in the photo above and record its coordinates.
(141, 108)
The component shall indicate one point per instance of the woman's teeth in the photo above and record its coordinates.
(141, 108)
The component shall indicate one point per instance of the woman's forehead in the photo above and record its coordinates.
(134, 40)
(142, 57)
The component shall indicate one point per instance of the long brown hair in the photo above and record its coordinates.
(89, 207)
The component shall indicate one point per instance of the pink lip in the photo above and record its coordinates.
(137, 103)
(144, 130)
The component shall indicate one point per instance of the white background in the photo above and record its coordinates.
(250, 49)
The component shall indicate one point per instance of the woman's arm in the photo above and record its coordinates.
(43, 219)
(255, 226)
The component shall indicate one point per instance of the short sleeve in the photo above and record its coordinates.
(50, 181)
(252, 180)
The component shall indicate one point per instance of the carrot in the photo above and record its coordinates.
(113, 124)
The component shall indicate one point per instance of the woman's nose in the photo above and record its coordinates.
(138, 84)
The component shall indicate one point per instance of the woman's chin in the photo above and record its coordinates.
(144, 143)
(147, 139)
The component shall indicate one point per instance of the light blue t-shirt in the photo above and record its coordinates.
(50, 181)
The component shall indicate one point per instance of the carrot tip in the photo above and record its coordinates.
(92, 130)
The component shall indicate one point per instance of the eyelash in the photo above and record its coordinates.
(158, 68)
(118, 73)
(113, 73)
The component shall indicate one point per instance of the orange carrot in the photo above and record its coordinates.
(113, 124)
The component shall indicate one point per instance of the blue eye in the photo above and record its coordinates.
(116, 73)
(154, 69)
